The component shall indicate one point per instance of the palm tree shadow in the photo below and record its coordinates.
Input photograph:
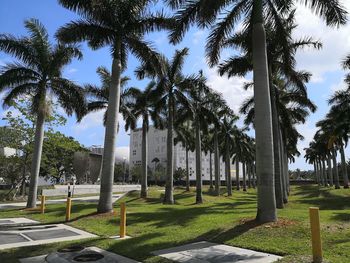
(236, 231)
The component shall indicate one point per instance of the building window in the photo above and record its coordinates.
(134, 152)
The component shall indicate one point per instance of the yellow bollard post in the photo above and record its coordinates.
(42, 207)
(315, 234)
(122, 220)
(68, 208)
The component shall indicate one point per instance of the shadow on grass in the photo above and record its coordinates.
(322, 198)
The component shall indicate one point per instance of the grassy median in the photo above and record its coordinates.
(223, 219)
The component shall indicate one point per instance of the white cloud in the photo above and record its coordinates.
(91, 120)
(338, 86)
(122, 152)
(72, 70)
(198, 37)
(231, 88)
(336, 42)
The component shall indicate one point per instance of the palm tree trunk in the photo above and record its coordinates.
(249, 175)
(276, 148)
(344, 166)
(330, 173)
(237, 175)
(210, 171)
(187, 172)
(266, 211)
(316, 173)
(228, 168)
(144, 160)
(321, 172)
(284, 171)
(24, 172)
(108, 161)
(199, 198)
(324, 172)
(253, 176)
(169, 195)
(244, 177)
(216, 163)
(335, 167)
(35, 168)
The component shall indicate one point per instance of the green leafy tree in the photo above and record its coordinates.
(119, 25)
(36, 74)
(10, 173)
(142, 104)
(58, 156)
(171, 86)
(21, 130)
(222, 17)
(179, 174)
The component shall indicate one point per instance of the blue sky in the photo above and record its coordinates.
(324, 64)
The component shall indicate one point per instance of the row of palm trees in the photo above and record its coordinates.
(332, 137)
(121, 26)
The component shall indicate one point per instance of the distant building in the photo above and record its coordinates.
(157, 148)
(7, 151)
(96, 149)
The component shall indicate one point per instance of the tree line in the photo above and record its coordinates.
(265, 47)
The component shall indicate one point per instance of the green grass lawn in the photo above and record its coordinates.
(222, 219)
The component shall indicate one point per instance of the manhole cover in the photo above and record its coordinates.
(89, 257)
(70, 249)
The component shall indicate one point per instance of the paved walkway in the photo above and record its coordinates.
(58, 201)
(207, 252)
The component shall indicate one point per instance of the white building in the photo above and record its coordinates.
(7, 151)
(157, 148)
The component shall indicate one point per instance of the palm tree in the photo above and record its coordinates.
(197, 110)
(120, 25)
(278, 64)
(38, 74)
(292, 106)
(205, 14)
(227, 133)
(142, 105)
(171, 85)
(99, 95)
(208, 148)
(340, 106)
(184, 135)
(219, 108)
(155, 161)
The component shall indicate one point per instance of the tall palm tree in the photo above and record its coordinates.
(185, 135)
(38, 74)
(197, 110)
(281, 61)
(171, 85)
(292, 106)
(142, 105)
(120, 25)
(219, 108)
(253, 12)
(340, 106)
(207, 141)
(98, 95)
(226, 134)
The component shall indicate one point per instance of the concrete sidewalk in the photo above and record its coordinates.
(91, 199)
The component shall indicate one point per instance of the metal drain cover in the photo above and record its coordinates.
(89, 257)
(71, 249)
